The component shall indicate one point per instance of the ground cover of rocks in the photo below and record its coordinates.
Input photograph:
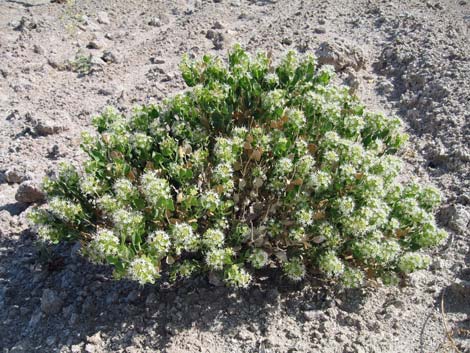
(63, 61)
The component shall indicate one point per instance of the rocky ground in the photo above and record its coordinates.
(63, 61)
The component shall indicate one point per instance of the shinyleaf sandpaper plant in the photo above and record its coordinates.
(255, 165)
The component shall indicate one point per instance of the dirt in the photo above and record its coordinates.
(62, 62)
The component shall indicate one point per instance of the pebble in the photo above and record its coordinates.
(38, 49)
(44, 127)
(155, 22)
(110, 57)
(15, 176)
(103, 18)
(95, 339)
(157, 61)
(51, 303)
(314, 315)
(341, 55)
(459, 218)
(29, 191)
(218, 25)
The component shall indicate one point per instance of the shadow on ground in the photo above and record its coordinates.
(83, 300)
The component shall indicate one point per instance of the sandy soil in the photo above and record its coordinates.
(62, 62)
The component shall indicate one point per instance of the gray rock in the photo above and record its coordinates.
(157, 61)
(50, 340)
(220, 41)
(29, 191)
(90, 348)
(96, 44)
(155, 22)
(159, 20)
(15, 176)
(314, 315)
(19, 348)
(76, 348)
(341, 55)
(44, 126)
(459, 218)
(103, 18)
(38, 49)
(95, 339)
(110, 57)
(152, 299)
(210, 34)
(218, 25)
(73, 319)
(51, 303)
(34, 321)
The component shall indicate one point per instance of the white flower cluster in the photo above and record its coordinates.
(159, 242)
(128, 223)
(105, 243)
(184, 238)
(330, 264)
(411, 262)
(216, 259)
(155, 189)
(210, 200)
(258, 258)
(213, 238)
(124, 189)
(143, 270)
(294, 269)
(65, 210)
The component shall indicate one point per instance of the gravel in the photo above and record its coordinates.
(405, 58)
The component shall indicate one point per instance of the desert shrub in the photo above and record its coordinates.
(255, 165)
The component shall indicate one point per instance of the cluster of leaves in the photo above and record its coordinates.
(256, 165)
(81, 64)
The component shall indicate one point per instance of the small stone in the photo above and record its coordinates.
(73, 319)
(159, 20)
(38, 49)
(157, 61)
(28, 192)
(19, 348)
(95, 339)
(44, 126)
(90, 348)
(210, 34)
(95, 44)
(51, 303)
(96, 63)
(341, 55)
(103, 18)
(133, 296)
(218, 25)
(436, 264)
(244, 335)
(155, 22)
(220, 40)
(314, 315)
(286, 41)
(15, 176)
(459, 218)
(152, 299)
(109, 57)
(50, 340)
(320, 30)
(76, 348)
